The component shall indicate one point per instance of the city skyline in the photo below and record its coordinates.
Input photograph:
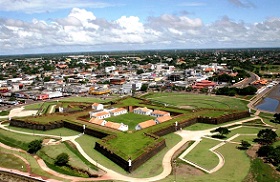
(73, 26)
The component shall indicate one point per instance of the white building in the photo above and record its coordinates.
(118, 111)
(97, 106)
(158, 113)
(142, 110)
(100, 115)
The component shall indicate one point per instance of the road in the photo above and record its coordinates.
(247, 81)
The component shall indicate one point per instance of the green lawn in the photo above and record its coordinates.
(247, 138)
(34, 106)
(57, 132)
(199, 100)
(12, 162)
(202, 156)
(84, 99)
(244, 130)
(54, 150)
(235, 169)
(130, 119)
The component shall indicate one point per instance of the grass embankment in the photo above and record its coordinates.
(4, 113)
(261, 171)
(57, 132)
(35, 168)
(49, 153)
(17, 140)
(11, 161)
(202, 156)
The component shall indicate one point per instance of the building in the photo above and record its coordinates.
(100, 115)
(204, 84)
(158, 113)
(163, 119)
(97, 106)
(142, 110)
(118, 111)
(145, 124)
(98, 121)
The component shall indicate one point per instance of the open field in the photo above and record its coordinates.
(202, 156)
(199, 101)
(130, 119)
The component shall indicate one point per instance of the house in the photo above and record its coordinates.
(97, 106)
(123, 127)
(101, 115)
(158, 113)
(203, 84)
(98, 121)
(142, 110)
(145, 124)
(163, 119)
(118, 111)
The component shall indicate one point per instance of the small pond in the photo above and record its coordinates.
(268, 104)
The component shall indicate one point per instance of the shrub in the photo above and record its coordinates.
(62, 159)
(34, 146)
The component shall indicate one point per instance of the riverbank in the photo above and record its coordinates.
(274, 93)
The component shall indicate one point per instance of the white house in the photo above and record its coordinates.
(97, 106)
(100, 115)
(142, 110)
(98, 121)
(145, 124)
(123, 127)
(118, 111)
(163, 119)
(158, 113)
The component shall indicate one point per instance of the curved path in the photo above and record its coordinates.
(111, 175)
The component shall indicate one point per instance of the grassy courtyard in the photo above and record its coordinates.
(130, 119)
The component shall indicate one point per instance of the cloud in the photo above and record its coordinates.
(42, 6)
(242, 3)
(81, 30)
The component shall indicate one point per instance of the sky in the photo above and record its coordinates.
(52, 26)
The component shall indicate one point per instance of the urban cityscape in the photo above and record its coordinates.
(144, 91)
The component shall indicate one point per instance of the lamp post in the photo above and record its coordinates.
(174, 171)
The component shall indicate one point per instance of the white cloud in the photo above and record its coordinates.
(81, 30)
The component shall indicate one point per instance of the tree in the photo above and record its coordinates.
(34, 146)
(223, 131)
(244, 145)
(62, 159)
(265, 151)
(144, 87)
(266, 136)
